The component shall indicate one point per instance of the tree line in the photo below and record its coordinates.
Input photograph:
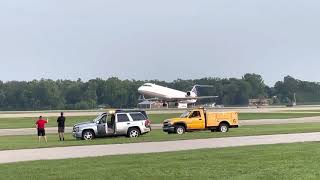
(48, 94)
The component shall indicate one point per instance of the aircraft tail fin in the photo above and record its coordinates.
(195, 88)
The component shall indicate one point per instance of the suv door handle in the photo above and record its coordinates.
(200, 119)
(128, 123)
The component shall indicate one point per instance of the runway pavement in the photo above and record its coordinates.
(32, 131)
(150, 147)
(55, 113)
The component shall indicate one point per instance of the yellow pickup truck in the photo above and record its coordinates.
(199, 119)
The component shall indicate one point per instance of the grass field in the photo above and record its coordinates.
(11, 123)
(30, 141)
(284, 161)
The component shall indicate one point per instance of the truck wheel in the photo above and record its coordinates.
(224, 127)
(133, 133)
(87, 135)
(180, 129)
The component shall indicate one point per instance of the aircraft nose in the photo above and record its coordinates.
(140, 89)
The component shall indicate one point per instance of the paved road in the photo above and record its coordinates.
(55, 113)
(150, 147)
(32, 131)
(315, 119)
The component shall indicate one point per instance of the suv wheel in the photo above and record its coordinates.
(180, 129)
(224, 127)
(87, 135)
(133, 133)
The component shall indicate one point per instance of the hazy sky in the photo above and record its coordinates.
(164, 39)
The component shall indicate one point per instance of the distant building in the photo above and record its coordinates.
(260, 102)
(150, 105)
(159, 105)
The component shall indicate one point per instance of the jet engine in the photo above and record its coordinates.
(191, 94)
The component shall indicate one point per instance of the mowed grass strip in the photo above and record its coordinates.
(30, 141)
(12, 123)
(265, 162)
(158, 118)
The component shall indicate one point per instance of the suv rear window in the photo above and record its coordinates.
(137, 116)
(123, 118)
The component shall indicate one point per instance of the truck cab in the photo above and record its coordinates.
(199, 119)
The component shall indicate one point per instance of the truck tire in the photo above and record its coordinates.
(88, 135)
(179, 129)
(223, 127)
(133, 133)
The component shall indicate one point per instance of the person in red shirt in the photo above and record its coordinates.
(41, 125)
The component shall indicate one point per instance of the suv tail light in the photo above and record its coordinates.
(147, 123)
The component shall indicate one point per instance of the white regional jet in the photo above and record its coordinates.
(165, 95)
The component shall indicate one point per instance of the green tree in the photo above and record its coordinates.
(257, 85)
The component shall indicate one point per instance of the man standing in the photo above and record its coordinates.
(61, 126)
(40, 125)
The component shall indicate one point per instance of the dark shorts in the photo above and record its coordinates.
(60, 129)
(41, 132)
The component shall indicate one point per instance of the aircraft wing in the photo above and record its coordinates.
(193, 98)
(150, 99)
(142, 98)
(176, 99)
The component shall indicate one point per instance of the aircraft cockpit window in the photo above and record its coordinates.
(147, 85)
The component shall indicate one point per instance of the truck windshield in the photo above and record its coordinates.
(185, 114)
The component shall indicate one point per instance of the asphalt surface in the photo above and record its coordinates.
(56, 113)
(314, 119)
(150, 147)
(32, 131)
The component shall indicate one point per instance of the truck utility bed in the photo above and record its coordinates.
(214, 118)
